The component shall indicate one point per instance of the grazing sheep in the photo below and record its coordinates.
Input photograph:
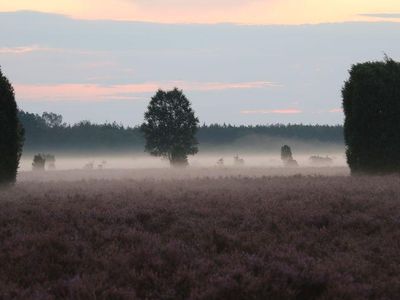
(237, 161)
(220, 162)
(321, 161)
(89, 166)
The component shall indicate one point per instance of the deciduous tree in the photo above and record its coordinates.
(170, 127)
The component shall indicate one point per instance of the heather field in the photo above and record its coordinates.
(200, 234)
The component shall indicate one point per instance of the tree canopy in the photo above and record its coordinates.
(170, 127)
(371, 103)
(11, 133)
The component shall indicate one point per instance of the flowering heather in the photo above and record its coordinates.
(294, 237)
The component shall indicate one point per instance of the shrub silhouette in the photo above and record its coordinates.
(286, 153)
(371, 103)
(170, 127)
(11, 133)
(39, 162)
(287, 158)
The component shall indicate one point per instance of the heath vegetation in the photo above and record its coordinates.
(296, 237)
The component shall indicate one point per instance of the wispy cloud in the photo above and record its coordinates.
(27, 49)
(336, 110)
(288, 111)
(212, 86)
(80, 92)
(382, 15)
(22, 49)
(95, 92)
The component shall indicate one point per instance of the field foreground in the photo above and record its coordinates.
(294, 237)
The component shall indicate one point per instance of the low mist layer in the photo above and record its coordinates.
(201, 160)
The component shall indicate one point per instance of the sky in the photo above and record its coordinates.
(213, 11)
(238, 61)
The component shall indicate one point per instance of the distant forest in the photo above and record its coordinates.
(48, 132)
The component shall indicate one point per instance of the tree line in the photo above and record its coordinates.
(49, 132)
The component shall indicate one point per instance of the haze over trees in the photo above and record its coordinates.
(11, 133)
(40, 135)
(371, 103)
(170, 127)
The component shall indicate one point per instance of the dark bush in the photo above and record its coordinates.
(11, 133)
(286, 153)
(287, 157)
(371, 103)
(39, 162)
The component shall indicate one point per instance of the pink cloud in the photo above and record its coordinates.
(80, 92)
(288, 111)
(95, 92)
(21, 50)
(227, 86)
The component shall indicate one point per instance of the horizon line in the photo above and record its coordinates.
(203, 124)
(384, 20)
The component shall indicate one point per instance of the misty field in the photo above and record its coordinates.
(200, 235)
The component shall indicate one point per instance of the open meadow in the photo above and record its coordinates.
(200, 233)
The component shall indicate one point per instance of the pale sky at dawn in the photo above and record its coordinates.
(212, 11)
(238, 61)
